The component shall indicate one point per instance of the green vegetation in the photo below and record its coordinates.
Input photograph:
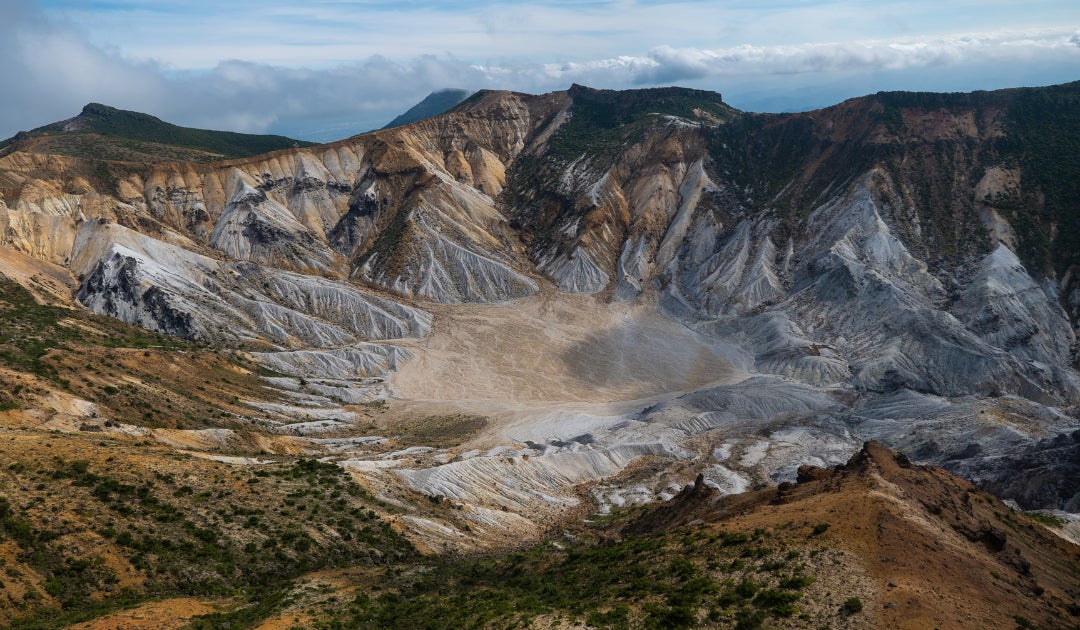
(389, 238)
(207, 539)
(71, 579)
(601, 125)
(29, 331)
(603, 121)
(1046, 519)
(142, 132)
(116, 365)
(120, 153)
(1043, 137)
(677, 579)
(441, 431)
(793, 163)
(853, 604)
(764, 153)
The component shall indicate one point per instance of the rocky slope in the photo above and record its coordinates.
(937, 552)
(898, 267)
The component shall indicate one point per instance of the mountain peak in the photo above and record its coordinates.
(106, 120)
(98, 109)
(433, 104)
(617, 107)
(577, 89)
(143, 138)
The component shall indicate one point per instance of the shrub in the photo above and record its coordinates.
(1046, 519)
(778, 602)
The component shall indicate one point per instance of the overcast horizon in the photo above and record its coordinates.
(330, 69)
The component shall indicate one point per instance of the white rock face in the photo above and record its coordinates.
(443, 271)
(631, 270)
(695, 184)
(345, 364)
(412, 211)
(858, 309)
(362, 314)
(172, 290)
(781, 347)
(256, 228)
(738, 278)
(522, 483)
(575, 272)
(41, 232)
(1006, 308)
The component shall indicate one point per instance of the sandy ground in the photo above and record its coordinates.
(565, 348)
(48, 282)
(555, 358)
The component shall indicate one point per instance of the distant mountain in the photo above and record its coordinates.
(104, 132)
(433, 104)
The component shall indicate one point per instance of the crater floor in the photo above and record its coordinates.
(556, 364)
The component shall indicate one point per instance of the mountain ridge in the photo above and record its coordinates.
(154, 137)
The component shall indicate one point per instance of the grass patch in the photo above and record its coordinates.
(30, 331)
(440, 431)
(1046, 519)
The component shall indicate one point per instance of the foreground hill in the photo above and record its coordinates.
(876, 542)
(931, 549)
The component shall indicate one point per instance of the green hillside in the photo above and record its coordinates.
(105, 132)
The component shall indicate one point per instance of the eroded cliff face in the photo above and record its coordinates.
(855, 268)
(408, 210)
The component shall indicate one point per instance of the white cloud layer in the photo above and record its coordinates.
(51, 69)
(666, 64)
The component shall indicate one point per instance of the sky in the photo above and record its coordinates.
(326, 69)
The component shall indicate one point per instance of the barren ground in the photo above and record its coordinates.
(554, 358)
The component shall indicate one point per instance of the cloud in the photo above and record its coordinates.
(47, 67)
(51, 69)
(667, 64)
(255, 97)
